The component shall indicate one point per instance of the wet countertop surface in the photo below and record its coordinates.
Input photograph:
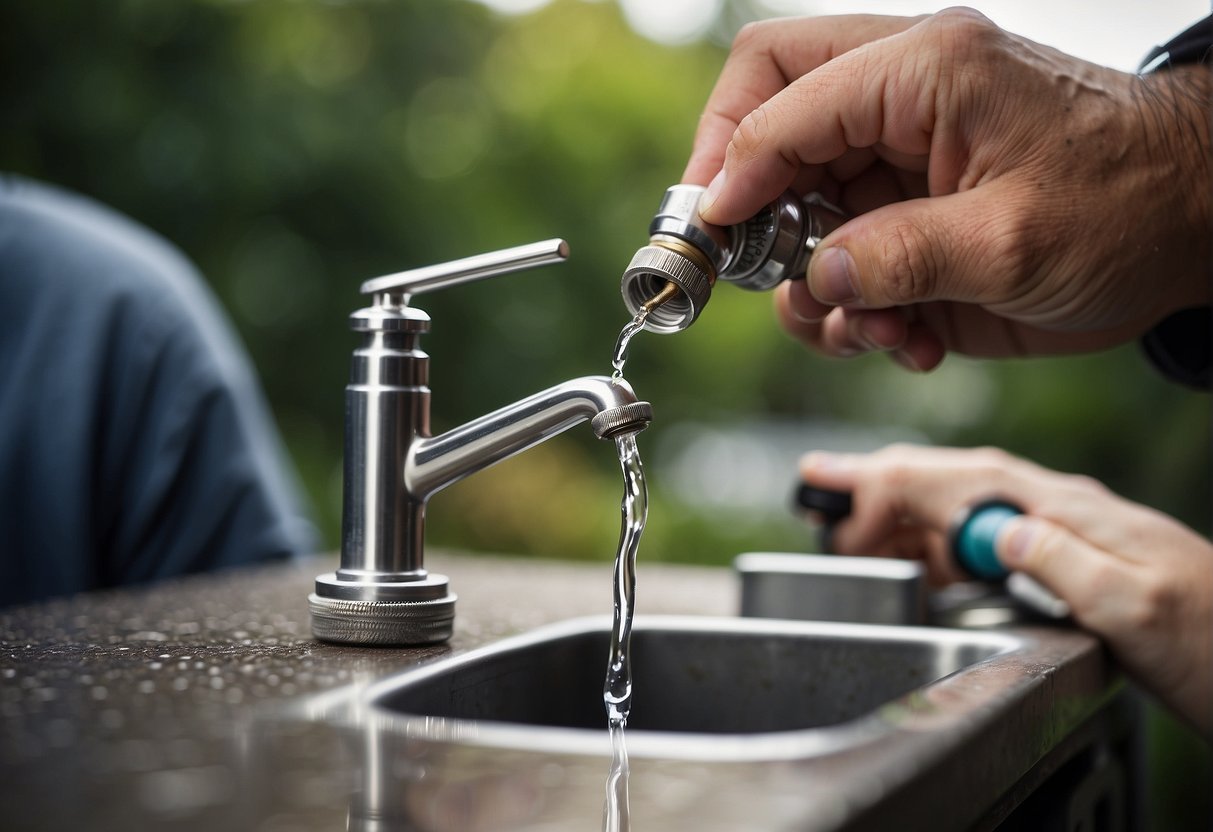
(184, 704)
(204, 703)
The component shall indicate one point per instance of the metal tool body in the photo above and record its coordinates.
(382, 593)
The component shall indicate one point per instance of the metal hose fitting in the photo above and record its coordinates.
(674, 275)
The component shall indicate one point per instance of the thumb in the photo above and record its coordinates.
(1092, 581)
(957, 247)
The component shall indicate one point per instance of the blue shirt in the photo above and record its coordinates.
(134, 439)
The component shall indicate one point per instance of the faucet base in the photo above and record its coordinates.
(412, 612)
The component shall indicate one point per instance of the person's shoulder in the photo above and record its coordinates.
(65, 249)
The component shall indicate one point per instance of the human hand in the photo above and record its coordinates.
(1010, 199)
(1139, 579)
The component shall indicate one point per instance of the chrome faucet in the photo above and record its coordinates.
(382, 593)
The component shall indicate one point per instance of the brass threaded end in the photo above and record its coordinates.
(668, 292)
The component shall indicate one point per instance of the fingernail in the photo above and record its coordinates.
(709, 197)
(860, 336)
(867, 343)
(906, 360)
(1017, 539)
(832, 276)
(818, 461)
(827, 462)
(801, 303)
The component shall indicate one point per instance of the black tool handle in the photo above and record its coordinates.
(833, 506)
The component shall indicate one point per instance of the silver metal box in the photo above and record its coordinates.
(832, 588)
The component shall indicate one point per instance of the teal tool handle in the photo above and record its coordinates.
(973, 538)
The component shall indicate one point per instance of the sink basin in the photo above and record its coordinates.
(726, 688)
(737, 723)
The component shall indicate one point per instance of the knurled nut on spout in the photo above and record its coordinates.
(627, 418)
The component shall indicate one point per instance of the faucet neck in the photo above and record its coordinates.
(387, 405)
(435, 462)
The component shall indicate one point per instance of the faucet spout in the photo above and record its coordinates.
(432, 463)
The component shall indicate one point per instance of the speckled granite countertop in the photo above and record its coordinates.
(204, 703)
(162, 706)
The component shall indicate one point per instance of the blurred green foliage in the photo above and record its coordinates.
(293, 149)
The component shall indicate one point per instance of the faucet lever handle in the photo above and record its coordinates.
(468, 269)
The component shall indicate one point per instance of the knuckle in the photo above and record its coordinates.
(896, 453)
(992, 468)
(751, 36)
(1046, 550)
(1010, 473)
(1100, 581)
(963, 24)
(962, 36)
(1153, 599)
(960, 15)
(751, 134)
(1087, 485)
(992, 457)
(1016, 239)
(896, 476)
(909, 264)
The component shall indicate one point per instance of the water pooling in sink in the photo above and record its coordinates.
(617, 689)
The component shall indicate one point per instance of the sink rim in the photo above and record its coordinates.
(1010, 648)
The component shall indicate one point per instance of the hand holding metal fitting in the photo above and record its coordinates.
(673, 276)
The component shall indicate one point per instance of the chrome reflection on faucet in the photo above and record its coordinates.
(382, 593)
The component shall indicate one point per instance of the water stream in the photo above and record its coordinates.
(620, 356)
(616, 809)
(617, 689)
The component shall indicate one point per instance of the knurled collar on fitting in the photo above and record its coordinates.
(654, 266)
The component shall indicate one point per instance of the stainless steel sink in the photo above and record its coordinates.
(737, 723)
(718, 688)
